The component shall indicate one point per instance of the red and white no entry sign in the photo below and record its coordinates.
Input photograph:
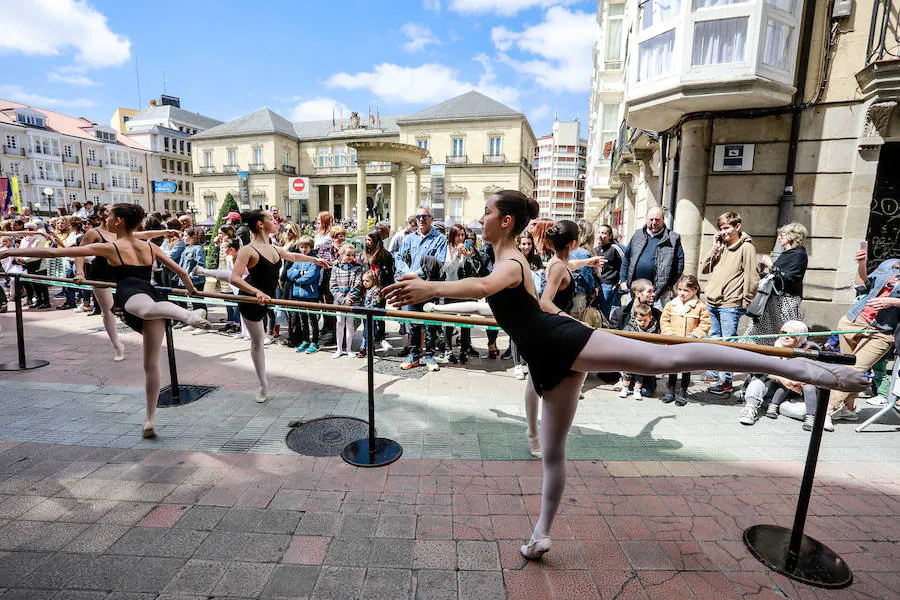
(299, 189)
(299, 185)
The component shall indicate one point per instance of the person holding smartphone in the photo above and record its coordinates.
(463, 260)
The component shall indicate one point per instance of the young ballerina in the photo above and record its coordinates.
(263, 262)
(130, 262)
(560, 350)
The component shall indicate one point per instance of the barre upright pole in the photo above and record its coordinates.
(789, 551)
(175, 394)
(371, 451)
(23, 363)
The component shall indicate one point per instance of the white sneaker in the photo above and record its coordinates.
(637, 395)
(519, 372)
(268, 341)
(748, 415)
(80, 308)
(623, 392)
(877, 401)
(844, 414)
(385, 345)
(618, 386)
(199, 331)
(239, 336)
(442, 359)
(829, 425)
(337, 354)
(187, 328)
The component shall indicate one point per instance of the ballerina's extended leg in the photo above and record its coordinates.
(146, 308)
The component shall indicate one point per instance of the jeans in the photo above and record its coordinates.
(608, 299)
(724, 323)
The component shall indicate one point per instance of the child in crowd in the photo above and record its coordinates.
(643, 322)
(306, 276)
(372, 299)
(192, 257)
(642, 292)
(346, 288)
(684, 316)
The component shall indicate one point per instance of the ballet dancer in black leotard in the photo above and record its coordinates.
(130, 263)
(263, 261)
(560, 350)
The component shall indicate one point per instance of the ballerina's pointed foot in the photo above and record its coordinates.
(535, 548)
(534, 446)
(148, 431)
(120, 353)
(835, 377)
(262, 395)
(198, 320)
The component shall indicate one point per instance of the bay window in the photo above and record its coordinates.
(655, 56)
(654, 12)
(615, 23)
(777, 45)
(719, 42)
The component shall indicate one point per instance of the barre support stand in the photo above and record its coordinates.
(371, 451)
(173, 394)
(23, 364)
(789, 551)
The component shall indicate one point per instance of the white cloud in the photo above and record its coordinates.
(17, 94)
(318, 109)
(506, 8)
(432, 5)
(419, 36)
(50, 27)
(539, 112)
(428, 83)
(72, 75)
(561, 46)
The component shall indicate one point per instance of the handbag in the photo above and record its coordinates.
(763, 292)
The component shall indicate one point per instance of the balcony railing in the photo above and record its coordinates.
(137, 190)
(73, 184)
(51, 178)
(453, 159)
(493, 158)
(351, 169)
(13, 151)
(72, 160)
(289, 169)
(44, 152)
(208, 169)
(228, 169)
(257, 166)
(95, 186)
(25, 178)
(136, 168)
(94, 162)
(884, 32)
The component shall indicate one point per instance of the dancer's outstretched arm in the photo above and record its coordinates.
(152, 234)
(461, 308)
(173, 266)
(297, 257)
(410, 289)
(607, 352)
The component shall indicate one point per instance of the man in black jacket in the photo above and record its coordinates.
(654, 253)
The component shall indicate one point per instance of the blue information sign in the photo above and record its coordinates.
(164, 187)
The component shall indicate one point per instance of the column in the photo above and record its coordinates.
(396, 205)
(691, 201)
(360, 194)
(347, 211)
(331, 199)
(412, 200)
(315, 201)
(417, 193)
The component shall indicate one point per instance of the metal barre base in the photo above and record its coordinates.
(383, 452)
(29, 364)
(186, 395)
(816, 564)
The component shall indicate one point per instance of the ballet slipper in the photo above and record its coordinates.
(262, 395)
(835, 377)
(535, 548)
(428, 307)
(120, 353)
(198, 320)
(534, 445)
(148, 431)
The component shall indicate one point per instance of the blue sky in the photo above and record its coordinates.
(299, 58)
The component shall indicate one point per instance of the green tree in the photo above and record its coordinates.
(212, 249)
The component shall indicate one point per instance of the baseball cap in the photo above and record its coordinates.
(234, 216)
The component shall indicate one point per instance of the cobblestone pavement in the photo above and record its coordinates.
(655, 505)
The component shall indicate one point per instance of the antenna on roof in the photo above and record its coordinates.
(137, 75)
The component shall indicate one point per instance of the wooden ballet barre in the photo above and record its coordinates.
(655, 338)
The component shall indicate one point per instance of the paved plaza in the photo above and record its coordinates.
(217, 506)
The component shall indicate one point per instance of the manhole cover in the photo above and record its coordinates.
(326, 436)
(390, 365)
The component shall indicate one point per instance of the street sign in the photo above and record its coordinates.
(164, 187)
(299, 189)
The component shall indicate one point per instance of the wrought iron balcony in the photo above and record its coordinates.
(884, 32)
(257, 166)
(289, 169)
(136, 168)
(72, 160)
(453, 159)
(73, 184)
(228, 169)
(44, 152)
(94, 162)
(13, 151)
(95, 186)
(207, 169)
(493, 158)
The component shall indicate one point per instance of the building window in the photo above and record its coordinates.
(135, 183)
(257, 156)
(92, 154)
(96, 199)
(610, 130)
(70, 175)
(614, 26)
(655, 56)
(187, 187)
(785, 5)
(178, 167)
(15, 169)
(94, 178)
(30, 120)
(422, 143)
(12, 142)
(166, 144)
(456, 209)
(339, 156)
(67, 150)
(73, 198)
(207, 159)
(232, 157)
(719, 42)
(189, 146)
(458, 149)
(495, 149)
(181, 146)
(322, 157)
(654, 12)
(210, 208)
(287, 158)
(778, 44)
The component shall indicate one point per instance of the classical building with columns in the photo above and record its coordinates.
(479, 144)
(781, 110)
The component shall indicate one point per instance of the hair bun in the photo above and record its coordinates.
(534, 209)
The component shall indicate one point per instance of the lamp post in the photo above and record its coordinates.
(48, 192)
(193, 208)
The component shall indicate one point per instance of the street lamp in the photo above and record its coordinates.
(48, 193)
(193, 208)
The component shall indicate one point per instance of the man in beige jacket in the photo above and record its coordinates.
(732, 284)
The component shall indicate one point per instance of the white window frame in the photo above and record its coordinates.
(462, 146)
(422, 143)
(257, 155)
(607, 63)
(498, 151)
(92, 154)
(746, 10)
(323, 156)
(231, 157)
(15, 168)
(12, 141)
(287, 158)
(791, 19)
(208, 159)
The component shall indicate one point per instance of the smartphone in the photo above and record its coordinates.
(468, 244)
(864, 246)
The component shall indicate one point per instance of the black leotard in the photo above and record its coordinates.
(264, 277)
(99, 268)
(549, 343)
(565, 296)
(131, 280)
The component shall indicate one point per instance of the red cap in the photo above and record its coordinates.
(233, 216)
